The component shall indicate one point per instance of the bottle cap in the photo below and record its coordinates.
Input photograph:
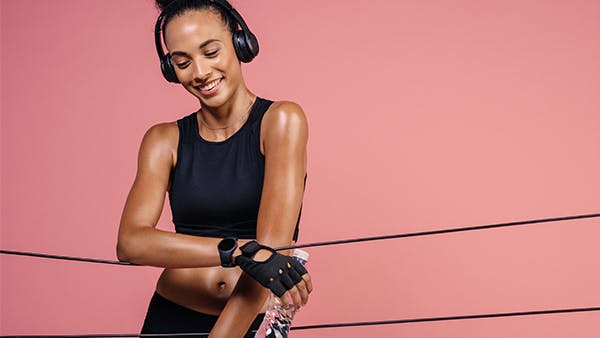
(303, 255)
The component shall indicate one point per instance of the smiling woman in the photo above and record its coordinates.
(423, 115)
(234, 169)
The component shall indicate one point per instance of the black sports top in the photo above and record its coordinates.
(216, 186)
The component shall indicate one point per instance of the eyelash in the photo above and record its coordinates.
(208, 54)
(212, 53)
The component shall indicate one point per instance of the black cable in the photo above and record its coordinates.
(355, 240)
(343, 241)
(438, 319)
(337, 325)
(107, 335)
(443, 231)
(67, 258)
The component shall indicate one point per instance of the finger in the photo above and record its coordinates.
(278, 289)
(308, 281)
(286, 281)
(296, 297)
(302, 290)
(300, 268)
(286, 299)
(292, 291)
(294, 275)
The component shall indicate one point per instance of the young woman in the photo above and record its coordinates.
(235, 168)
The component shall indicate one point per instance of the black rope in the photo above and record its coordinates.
(338, 325)
(443, 231)
(343, 241)
(67, 258)
(439, 319)
(107, 335)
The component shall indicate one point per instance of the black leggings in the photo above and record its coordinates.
(164, 316)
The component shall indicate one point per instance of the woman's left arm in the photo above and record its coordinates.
(284, 134)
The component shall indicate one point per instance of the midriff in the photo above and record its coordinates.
(204, 290)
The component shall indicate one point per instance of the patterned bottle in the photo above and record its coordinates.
(278, 317)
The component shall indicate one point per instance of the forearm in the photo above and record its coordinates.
(285, 136)
(242, 308)
(154, 247)
(247, 299)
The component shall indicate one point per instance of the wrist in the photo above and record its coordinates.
(236, 253)
(227, 247)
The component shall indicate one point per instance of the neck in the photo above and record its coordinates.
(231, 109)
(229, 115)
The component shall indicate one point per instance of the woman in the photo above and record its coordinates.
(236, 167)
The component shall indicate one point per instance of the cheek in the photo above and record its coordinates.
(233, 66)
(184, 75)
(228, 63)
(230, 60)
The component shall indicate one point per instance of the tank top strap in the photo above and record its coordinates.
(186, 128)
(260, 108)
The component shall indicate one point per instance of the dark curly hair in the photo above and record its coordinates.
(173, 8)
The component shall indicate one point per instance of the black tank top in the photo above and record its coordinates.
(216, 186)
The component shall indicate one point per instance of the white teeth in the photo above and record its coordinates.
(211, 85)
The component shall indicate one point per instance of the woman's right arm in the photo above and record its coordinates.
(139, 241)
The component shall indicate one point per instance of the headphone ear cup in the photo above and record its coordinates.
(168, 71)
(246, 46)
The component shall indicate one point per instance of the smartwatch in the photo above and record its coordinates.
(226, 248)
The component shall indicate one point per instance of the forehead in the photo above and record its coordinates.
(194, 27)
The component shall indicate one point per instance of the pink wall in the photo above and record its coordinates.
(423, 115)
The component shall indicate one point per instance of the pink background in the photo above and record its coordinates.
(423, 115)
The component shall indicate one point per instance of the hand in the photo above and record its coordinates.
(283, 275)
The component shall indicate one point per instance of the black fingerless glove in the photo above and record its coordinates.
(279, 273)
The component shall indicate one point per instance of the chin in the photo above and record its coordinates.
(216, 100)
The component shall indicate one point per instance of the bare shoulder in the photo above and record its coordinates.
(160, 141)
(162, 132)
(284, 128)
(284, 116)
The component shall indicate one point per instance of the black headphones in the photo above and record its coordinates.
(244, 42)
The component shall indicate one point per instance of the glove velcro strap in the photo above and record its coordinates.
(251, 248)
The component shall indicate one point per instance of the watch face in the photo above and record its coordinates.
(227, 244)
(226, 248)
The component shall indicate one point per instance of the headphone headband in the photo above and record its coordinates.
(236, 15)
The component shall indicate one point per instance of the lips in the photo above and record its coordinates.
(211, 87)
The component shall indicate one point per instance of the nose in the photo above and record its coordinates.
(200, 71)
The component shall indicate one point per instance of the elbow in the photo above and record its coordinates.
(123, 254)
(126, 248)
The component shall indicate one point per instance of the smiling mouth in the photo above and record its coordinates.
(211, 85)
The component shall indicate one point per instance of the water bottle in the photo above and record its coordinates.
(278, 317)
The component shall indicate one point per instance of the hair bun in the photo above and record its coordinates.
(161, 4)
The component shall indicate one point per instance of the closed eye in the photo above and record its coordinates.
(211, 53)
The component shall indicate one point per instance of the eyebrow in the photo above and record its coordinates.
(202, 45)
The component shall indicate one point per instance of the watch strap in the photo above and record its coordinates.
(226, 248)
